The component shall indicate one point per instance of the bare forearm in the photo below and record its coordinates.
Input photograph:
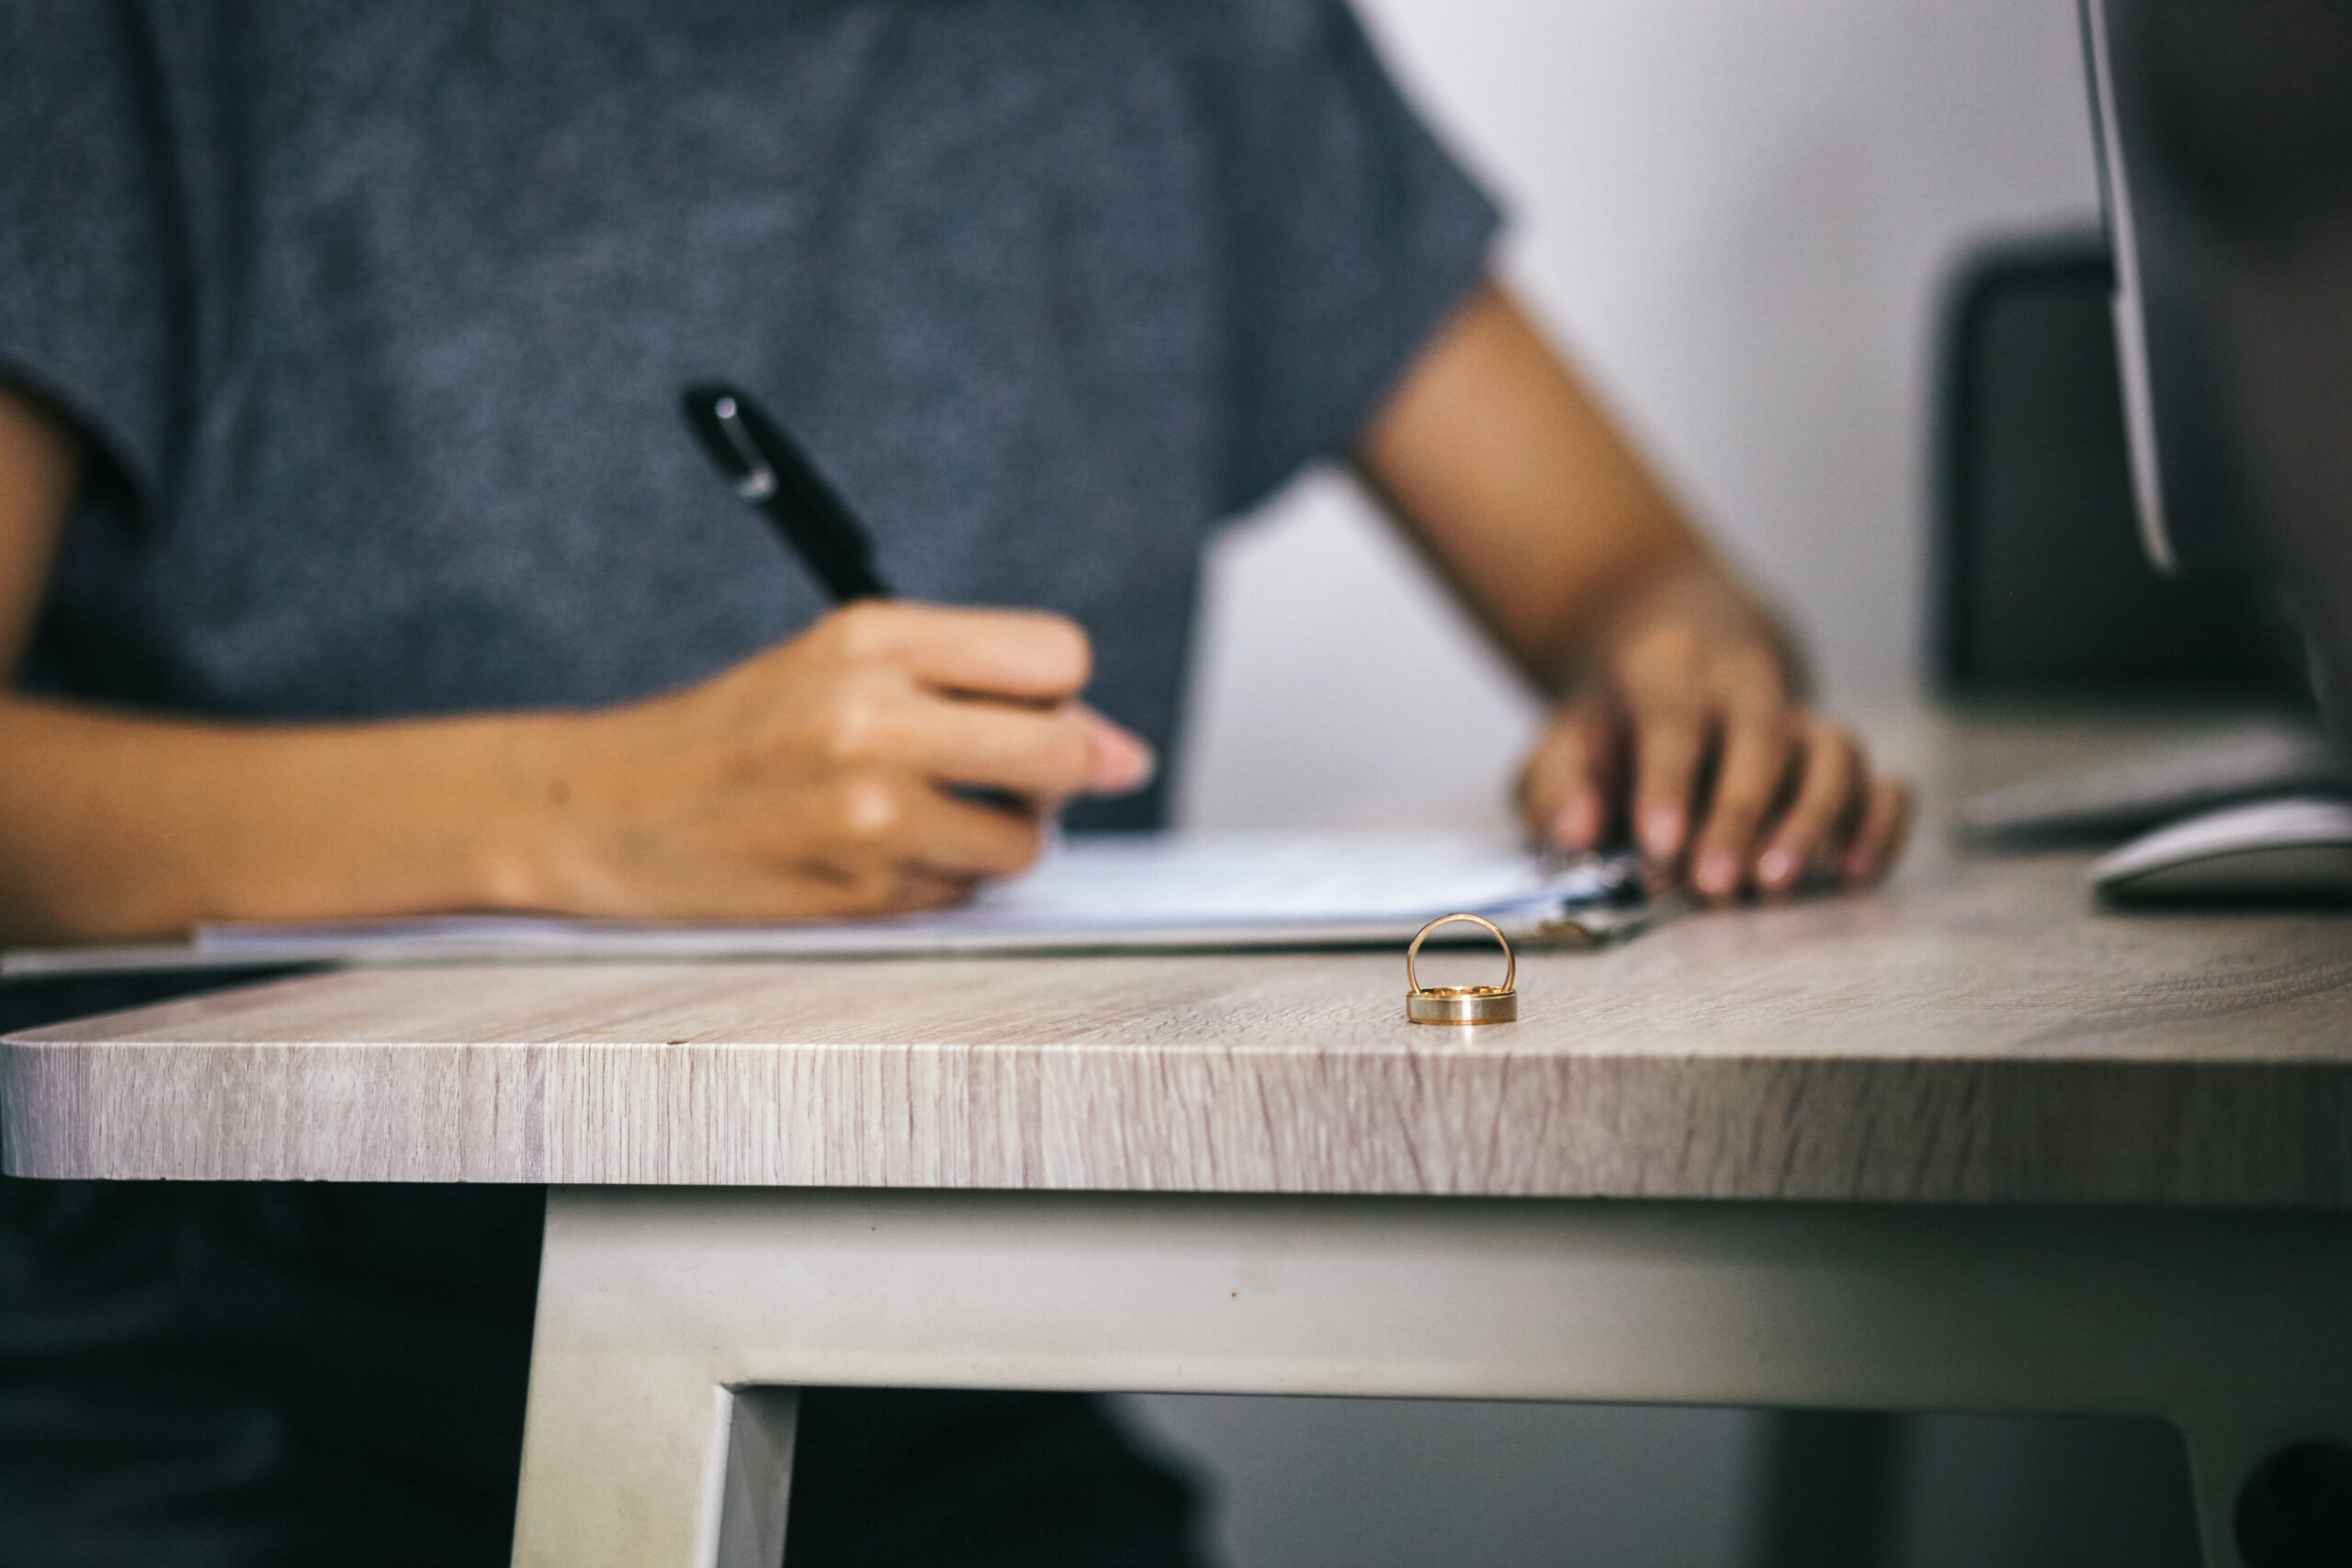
(115, 825)
(1679, 716)
(813, 779)
(1525, 494)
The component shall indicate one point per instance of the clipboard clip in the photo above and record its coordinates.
(1623, 908)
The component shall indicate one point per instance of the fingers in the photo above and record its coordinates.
(1878, 839)
(1124, 760)
(1832, 779)
(1837, 816)
(982, 698)
(983, 662)
(956, 841)
(1566, 789)
(1020, 655)
(881, 722)
(1754, 762)
(887, 759)
(1045, 754)
(1747, 792)
(905, 891)
(1669, 742)
(887, 829)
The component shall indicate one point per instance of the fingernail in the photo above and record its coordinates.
(1776, 868)
(1718, 873)
(1662, 832)
(1578, 826)
(1122, 761)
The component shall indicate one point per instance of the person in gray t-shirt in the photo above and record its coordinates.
(354, 559)
(347, 490)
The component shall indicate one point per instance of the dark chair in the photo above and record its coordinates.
(2040, 585)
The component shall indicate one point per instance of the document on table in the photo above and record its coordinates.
(1109, 892)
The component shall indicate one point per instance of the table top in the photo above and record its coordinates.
(1978, 1031)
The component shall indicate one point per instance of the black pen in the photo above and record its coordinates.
(753, 453)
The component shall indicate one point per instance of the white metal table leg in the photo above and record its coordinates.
(655, 1301)
(644, 1459)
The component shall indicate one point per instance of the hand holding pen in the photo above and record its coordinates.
(832, 774)
(842, 771)
(816, 779)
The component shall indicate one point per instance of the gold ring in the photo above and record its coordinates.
(1461, 1004)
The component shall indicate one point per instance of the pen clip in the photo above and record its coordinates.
(764, 467)
(758, 480)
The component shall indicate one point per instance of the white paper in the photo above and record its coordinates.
(1109, 890)
(1152, 880)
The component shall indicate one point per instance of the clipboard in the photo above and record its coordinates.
(1090, 894)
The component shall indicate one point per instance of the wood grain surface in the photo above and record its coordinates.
(1978, 1034)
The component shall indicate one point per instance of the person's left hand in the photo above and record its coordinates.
(1691, 741)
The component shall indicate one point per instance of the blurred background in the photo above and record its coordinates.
(1743, 219)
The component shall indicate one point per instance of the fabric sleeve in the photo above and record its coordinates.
(1351, 236)
(86, 287)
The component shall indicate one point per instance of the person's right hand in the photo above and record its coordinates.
(819, 778)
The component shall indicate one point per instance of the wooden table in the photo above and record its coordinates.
(1963, 1144)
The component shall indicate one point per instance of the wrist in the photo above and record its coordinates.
(1689, 599)
(531, 848)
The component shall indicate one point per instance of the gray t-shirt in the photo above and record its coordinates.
(377, 316)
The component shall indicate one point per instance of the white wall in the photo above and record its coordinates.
(1735, 214)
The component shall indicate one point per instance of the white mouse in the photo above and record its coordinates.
(2297, 850)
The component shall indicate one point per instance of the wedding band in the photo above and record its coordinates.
(1461, 1004)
